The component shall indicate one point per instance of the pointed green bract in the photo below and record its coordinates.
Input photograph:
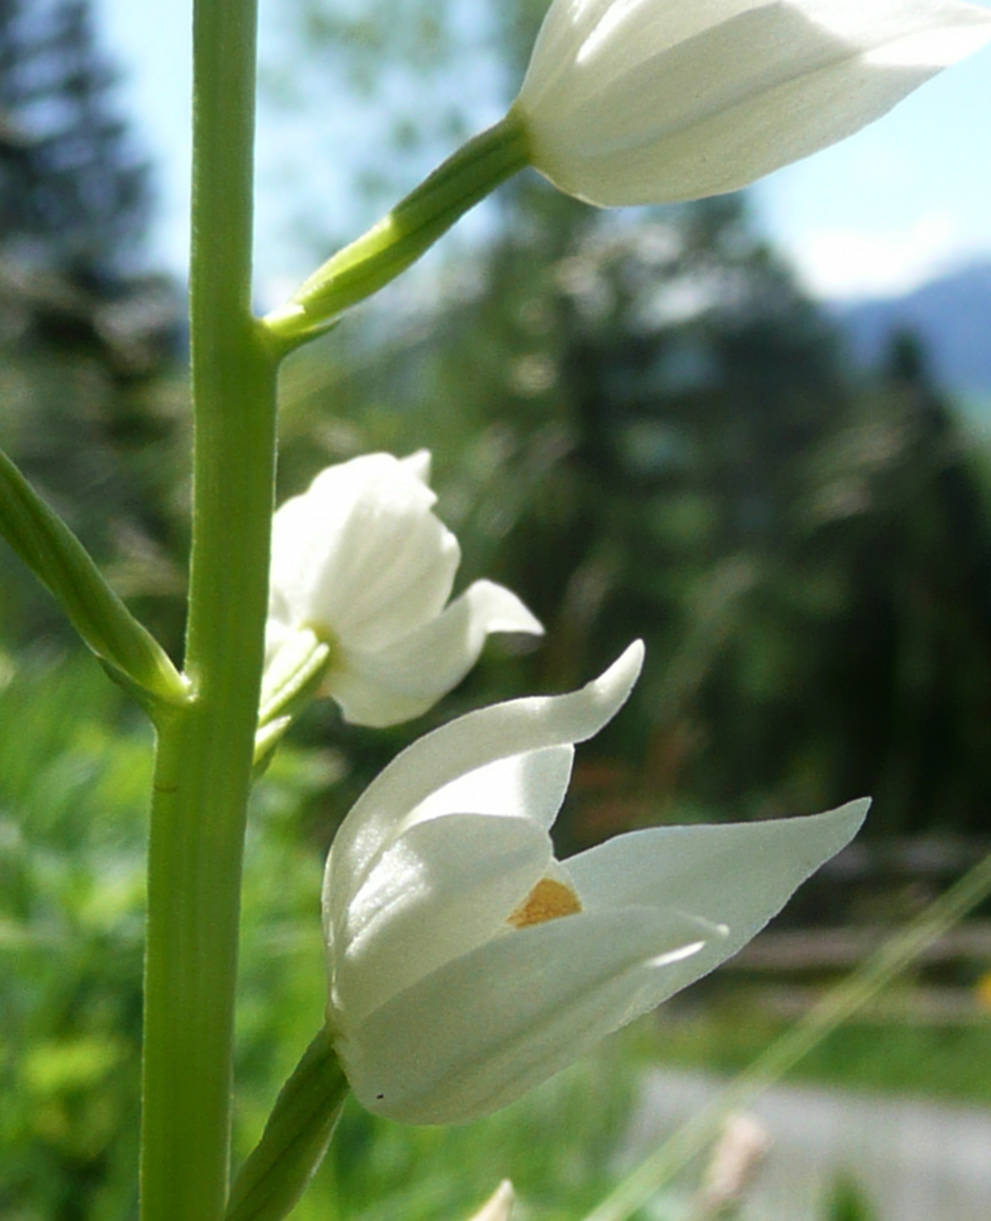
(295, 1138)
(53, 553)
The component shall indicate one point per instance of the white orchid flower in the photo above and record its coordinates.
(651, 101)
(361, 575)
(467, 964)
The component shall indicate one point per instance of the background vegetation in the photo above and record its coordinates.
(638, 422)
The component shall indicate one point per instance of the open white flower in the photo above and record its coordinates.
(361, 575)
(651, 101)
(467, 964)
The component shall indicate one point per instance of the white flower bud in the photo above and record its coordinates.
(653, 101)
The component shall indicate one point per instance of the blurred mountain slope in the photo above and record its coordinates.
(950, 314)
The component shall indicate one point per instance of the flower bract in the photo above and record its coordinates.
(361, 574)
(651, 101)
(467, 964)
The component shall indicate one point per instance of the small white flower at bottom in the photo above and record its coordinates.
(467, 965)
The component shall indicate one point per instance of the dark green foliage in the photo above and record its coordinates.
(110, 458)
(71, 928)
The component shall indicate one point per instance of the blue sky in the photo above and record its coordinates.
(893, 205)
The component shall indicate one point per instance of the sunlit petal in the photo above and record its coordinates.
(738, 875)
(361, 563)
(401, 680)
(641, 101)
(486, 1027)
(437, 892)
(471, 742)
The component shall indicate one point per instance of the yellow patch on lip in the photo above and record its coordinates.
(548, 900)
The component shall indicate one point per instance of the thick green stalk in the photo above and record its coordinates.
(203, 763)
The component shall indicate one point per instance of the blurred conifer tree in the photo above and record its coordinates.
(85, 331)
(73, 194)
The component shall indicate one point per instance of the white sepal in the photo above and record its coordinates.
(402, 680)
(651, 101)
(363, 567)
(738, 875)
(489, 1025)
(517, 727)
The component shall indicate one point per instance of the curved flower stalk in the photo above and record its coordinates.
(467, 964)
(652, 101)
(361, 575)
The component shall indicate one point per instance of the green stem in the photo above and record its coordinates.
(204, 753)
(295, 1138)
(399, 239)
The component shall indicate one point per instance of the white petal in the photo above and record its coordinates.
(490, 1025)
(418, 464)
(565, 28)
(441, 889)
(531, 785)
(384, 686)
(360, 556)
(462, 746)
(304, 526)
(665, 102)
(278, 633)
(738, 875)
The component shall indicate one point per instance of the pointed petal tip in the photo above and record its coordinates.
(499, 1206)
(852, 814)
(604, 696)
(500, 610)
(617, 681)
(419, 464)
